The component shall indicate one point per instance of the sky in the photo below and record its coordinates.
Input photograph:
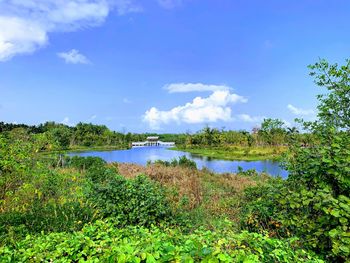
(166, 65)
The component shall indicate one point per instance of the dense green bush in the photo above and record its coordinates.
(182, 161)
(46, 218)
(259, 213)
(105, 242)
(132, 201)
(320, 219)
(85, 163)
(16, 161)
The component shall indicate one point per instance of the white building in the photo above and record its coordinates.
(152, 141)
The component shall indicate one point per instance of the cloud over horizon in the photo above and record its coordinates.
(215, 107)
(299, 111)
(251, 119)
(66, 121)
(191, 87)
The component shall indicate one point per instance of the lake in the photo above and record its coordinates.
(140, 155)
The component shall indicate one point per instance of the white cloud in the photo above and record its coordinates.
(210, 109)
(299, 111)
(189, 87)
(19, 35)
(169, 4)
(25, 24)
(126, 101)
(248, 118)
(73, 57)
(66, 121)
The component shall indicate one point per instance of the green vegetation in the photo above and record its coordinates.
(74, 209)
(107, 243)
(239, 153)
(56, 137)
(183, 161)
(267, 142)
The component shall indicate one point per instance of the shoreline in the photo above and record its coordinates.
(85, 149)
(238, 153)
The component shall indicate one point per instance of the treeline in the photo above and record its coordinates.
(57, 136)
(272, 132)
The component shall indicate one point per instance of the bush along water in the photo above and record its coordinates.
(182, 161)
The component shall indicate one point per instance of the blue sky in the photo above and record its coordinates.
(165, 65)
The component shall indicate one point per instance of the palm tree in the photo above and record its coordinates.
(292, 130)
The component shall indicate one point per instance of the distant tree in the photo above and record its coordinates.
(272, 131)
(272, 125)
(62, 136)
(292, 130)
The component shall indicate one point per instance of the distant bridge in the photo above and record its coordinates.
(152, 141)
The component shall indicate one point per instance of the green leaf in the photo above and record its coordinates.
(333, 233)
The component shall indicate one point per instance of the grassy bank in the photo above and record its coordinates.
(98, 148)
(76, 149)
(237, 153)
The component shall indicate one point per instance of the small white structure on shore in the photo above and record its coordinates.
(152, 141)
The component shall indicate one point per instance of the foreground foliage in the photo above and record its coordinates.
(105, 242)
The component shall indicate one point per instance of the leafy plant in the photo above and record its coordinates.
(133, 201)
(182, 161)
(104, 241)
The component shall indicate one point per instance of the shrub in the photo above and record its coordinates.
(314, 215)
(105, 242)
(182, 161)
(260, 209)
(132, 201)
(41, 217)
(85, 163)
(185, 162)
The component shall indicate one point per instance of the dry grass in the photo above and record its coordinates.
(181, 183)
(235, 182)
(216, 194)
(223, 193)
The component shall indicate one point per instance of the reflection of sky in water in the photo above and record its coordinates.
(141, 155)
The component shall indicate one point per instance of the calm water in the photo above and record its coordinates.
(141, 155)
